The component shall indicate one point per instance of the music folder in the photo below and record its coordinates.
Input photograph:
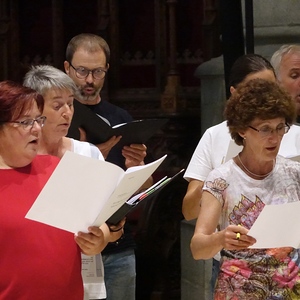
(98, 131)
(134, 201)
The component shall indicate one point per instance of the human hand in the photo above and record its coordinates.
(134, 154)
(236, 238)
(106, 146)
(91, 243)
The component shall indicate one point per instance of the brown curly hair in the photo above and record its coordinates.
(257, 98)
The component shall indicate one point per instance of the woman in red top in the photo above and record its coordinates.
(37, 261)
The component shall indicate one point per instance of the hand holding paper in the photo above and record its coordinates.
(83, 191)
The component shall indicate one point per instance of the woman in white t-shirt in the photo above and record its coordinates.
(259, 113)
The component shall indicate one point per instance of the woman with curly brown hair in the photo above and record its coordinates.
(258, 115)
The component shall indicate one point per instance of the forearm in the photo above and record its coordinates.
(206, 246)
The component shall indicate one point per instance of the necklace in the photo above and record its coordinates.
(260, 176)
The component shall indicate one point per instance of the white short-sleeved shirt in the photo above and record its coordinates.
(212, 148)
(92, 289)
(255, 273)
(235, 190)
(86, 149)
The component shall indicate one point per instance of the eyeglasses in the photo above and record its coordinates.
(28, 123)
(266, 131)
(83, 73)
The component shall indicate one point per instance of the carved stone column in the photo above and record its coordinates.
(172, 100)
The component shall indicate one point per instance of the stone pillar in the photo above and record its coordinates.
(275, 23)
(213, 95)
(195, 274)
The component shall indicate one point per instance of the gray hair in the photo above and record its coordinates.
(278, 55)
(44, 77)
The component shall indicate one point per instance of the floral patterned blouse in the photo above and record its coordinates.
(256, 273)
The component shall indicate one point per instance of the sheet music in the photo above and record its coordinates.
(277, 226)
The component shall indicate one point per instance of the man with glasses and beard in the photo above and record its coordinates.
(87, 62)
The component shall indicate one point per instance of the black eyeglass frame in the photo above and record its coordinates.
(88, 72)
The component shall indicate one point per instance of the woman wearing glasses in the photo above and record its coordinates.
(37, 261)
(213, 147)
(258, 114)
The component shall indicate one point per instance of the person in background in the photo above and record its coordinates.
(259, 113)
(286, 63)
(87, 63)
(213, 145)
(37, 261)
(58, 89)
(212, 148)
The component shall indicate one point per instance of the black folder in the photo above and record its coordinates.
(129, 205)
(98, 131)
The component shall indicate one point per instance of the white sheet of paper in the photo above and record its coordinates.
(83, 189)
(233, 150)
(93, 276)
(277, 226)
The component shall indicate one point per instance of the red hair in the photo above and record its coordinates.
(16, 100)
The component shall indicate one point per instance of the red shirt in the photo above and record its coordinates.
(37, 261)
